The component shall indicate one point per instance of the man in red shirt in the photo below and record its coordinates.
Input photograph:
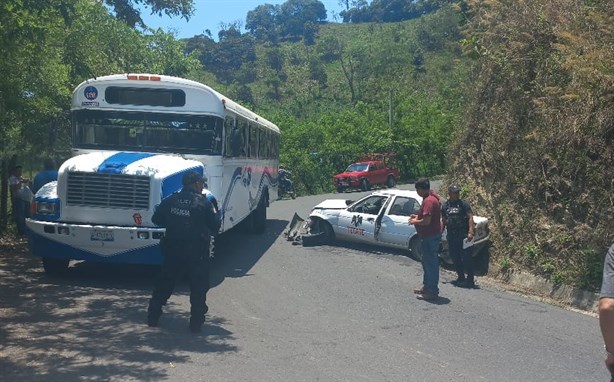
(428, 228)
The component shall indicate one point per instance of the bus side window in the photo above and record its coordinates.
(263, 152)
(253, 141)
(236, 143)
(243, 144)
(216, 142)
(229, 137)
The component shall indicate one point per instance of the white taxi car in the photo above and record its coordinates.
(380, 219)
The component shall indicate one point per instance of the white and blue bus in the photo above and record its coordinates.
(134, 136)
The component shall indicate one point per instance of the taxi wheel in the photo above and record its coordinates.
(481, 261)
(322, 233)
(327, 232)
(415, 250)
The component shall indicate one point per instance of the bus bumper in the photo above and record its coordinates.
(110, 244)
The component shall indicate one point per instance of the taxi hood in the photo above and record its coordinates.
(332, 204)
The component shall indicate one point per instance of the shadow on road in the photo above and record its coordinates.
(237, 252)
(91, 323)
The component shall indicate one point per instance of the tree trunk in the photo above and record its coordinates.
(4, 174)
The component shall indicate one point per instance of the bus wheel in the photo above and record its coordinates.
(55, 267)
(259, 223)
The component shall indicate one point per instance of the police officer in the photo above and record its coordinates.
(457, 217)
(189, 220)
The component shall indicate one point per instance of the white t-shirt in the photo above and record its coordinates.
(23, 192)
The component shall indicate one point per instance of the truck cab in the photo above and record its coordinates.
(372, 170)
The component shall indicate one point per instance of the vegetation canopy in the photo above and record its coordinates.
(513, 100)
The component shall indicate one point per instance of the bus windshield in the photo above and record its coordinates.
(139, 131)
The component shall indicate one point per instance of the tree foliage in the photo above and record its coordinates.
(385, 11)
(293, 19)
(128, 10)
(48, 47)
(230, 58)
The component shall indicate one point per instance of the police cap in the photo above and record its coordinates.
(454, 188)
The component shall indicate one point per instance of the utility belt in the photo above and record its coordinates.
(458, 230)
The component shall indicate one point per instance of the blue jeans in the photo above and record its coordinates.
(430, 262)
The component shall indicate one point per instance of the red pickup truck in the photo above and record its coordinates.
(369, 171)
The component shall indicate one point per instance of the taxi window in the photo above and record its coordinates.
(370, 205)
(404, 206)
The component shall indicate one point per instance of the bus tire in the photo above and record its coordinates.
(55, 267)
(259, 218)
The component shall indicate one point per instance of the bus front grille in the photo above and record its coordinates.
(107, 190)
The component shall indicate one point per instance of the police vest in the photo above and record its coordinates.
(185, 218)
(456, 216)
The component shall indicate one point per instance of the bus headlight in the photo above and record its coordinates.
(45, 208)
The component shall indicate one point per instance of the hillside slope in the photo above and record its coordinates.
(536, 148)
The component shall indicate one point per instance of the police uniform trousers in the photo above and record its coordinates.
(189, 258)
(462, 258)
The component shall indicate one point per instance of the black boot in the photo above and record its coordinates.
(469, 283)
(459, 281)
(196, 324)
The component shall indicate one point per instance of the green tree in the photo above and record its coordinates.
(128, 10)
(262, 22)
(48, 47)
(297, 17)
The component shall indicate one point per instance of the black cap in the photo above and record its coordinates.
(192, 177)
(454, 188)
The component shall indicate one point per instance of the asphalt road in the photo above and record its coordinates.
(281, 312)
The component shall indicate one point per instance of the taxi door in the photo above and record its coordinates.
(395, 229)
(358, 222)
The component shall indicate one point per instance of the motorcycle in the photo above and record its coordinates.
(285, 187)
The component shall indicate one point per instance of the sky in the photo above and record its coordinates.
(209, 14)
